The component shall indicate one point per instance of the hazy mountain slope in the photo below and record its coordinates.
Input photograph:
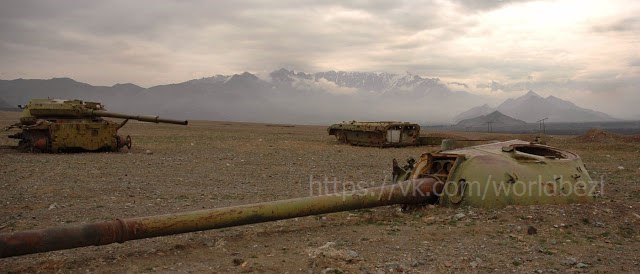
(496, 118)
(474, 112)
(532, 107)
(6, 106)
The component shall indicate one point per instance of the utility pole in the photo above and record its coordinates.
(543, 128)
(490, 126)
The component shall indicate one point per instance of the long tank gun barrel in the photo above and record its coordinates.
(121, 230)
(144, 118)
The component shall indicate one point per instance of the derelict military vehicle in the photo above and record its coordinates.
(378, 134)
(54, 125)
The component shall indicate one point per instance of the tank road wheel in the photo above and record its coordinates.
(341, 136)
(122, 142)
(42, 144)
(127, 142)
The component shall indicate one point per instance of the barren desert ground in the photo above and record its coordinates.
(217, 164)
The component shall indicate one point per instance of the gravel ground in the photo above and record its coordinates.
(215, 164)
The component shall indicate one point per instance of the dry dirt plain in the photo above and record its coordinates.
(216, 164)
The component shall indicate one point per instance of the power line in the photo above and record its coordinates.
(543, 128)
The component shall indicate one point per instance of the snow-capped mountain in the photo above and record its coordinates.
(364, 82)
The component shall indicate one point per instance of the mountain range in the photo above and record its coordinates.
(286, 96)
(532, 107)
(283, 96)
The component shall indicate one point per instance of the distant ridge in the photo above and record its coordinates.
(474, 112)
(532, 107)
(496, 119)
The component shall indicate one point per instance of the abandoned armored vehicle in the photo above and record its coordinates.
(54, 125)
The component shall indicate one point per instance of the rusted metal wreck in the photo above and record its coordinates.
(379, 134)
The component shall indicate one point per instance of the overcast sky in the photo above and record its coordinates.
(586, 51)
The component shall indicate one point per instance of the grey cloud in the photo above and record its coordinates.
(459, 84)
(630, 24)
(484, 5)
(494, 86)
(263, 30)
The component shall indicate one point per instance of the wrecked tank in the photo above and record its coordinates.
(522, 173)
(504, 173)
(55, 125)
(379, 134)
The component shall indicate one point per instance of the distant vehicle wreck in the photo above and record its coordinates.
(377, 134)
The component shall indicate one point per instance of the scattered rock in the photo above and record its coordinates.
(458, 216)
(53, 206)
(148, 152)
(352, 253)
(394, 266)
(330, 270)
(570, 261)
(582, 265)
(237, 261)
(328, 250)
(517, 261)
(620, 168)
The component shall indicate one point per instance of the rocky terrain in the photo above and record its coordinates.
(214, 164)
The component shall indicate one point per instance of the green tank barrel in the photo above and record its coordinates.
(419, 191)
(143, 118)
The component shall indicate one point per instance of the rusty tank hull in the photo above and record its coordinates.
(121, 230)
(376, 134)
(54, 125)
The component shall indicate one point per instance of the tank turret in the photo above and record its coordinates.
(54, 125)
